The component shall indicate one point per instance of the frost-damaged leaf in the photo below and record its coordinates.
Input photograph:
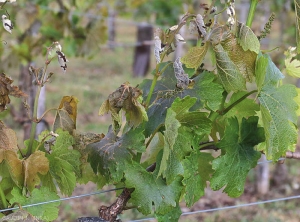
(8, 138)
(228, 72)
(204, 89)
(45, 212)
(129, 99)
(240, 156)
(197, 170)
(111, 156)
(64, 162)
(149, 190)
(297, 11)
(7, 89)
(20, 215)
(292, 64)
(194, 57)
(247, 39)
(278, 110)
(181, 76)
(14, 166)
(35, 164)
(244, 60)
(66, 114)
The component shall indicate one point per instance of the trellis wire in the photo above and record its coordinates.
(106, 191)
(62, 199)
(228, 207)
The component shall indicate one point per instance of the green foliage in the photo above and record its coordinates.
(240, 156)
(64, 162)
(160, 151)
(46, 212)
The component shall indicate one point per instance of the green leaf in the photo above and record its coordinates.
(247, 39)
(46, 212)
(297, 11)
(171, 133)
(292, 65)
(228, 72)
(204, 89)
(267, 74)
(194, 57)
(64, 162)
(244, 60)
(194, 120)
(246, 108)
(279, 118)
(238, 145)
(197, 169)
(171, 216)
(112, 154)
(149, 190)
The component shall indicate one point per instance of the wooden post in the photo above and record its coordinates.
(143, 51)
(111, 28)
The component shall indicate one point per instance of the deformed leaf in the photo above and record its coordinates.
(45, 212)
(111, 156)
(247, 39)
(66, 114)
(194, 57)
(126, 98)
(35, 164)
(239, 156)
(244, 60)
(228, 73)
(7, 89)
(151, 191)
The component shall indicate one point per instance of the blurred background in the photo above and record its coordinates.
(109, 42)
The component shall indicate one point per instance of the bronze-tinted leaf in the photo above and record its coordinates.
(35, 164)
(194, 57)
(244, 60)
(8, 138)
(66, 114)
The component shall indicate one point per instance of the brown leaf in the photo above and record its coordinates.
(8, 138)
(14, 165)
(66, 114)
(36, 163)
(7, 89)
(20, 216)
(126, 98)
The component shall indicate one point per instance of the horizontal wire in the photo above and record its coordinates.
(227, 207)
(61, 199)
(90, 194)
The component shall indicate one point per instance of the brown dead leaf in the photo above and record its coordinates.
(8, 138)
